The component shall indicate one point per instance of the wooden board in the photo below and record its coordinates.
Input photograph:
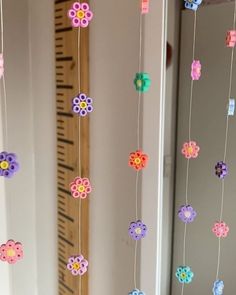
(67, 55)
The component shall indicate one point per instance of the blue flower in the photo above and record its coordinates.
(136, 292)
(184, 274)
(218, 288)
(192, 4)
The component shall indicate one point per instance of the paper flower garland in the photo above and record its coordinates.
(80, 187)
(80, 15)
(136, 292)
(184, 274)
(8, 164)
(77, 265)
(142, 82)
(220, 229)
(11, 252)
(196, 70)
(137, 230)
(218, 287)
(1, 65)
(138, 160)
(231, 38)
(192, 4)
(221, 169)
(190, 149)
(187, 214)
(82, 105)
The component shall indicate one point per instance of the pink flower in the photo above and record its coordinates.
(80, 187)
(11, 252)
(220, 229)
(196, 70)
(190, 149)
(1, 65)
(80, 15)
(77, 265)
(231, 38)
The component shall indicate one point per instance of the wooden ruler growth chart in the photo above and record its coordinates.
(73, 106)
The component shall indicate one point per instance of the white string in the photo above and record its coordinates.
(225, 146)
(189, 137)
(135, 264)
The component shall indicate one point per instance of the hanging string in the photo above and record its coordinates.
(225, 146)
(189, 136)
(4, 98)
(138, 141)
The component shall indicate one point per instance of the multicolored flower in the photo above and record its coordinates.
(220, 229)
(77, 265)
(196, 70)
(80, 187)
(187, 214)
(218, 287)
(82, 105)
(136, 292)
(1, 65)
(231, 38)
(80, 15)
(221, 169)
(142, 82)
(8, 164)
(137, 230)
(138, 160)
(11, 252)
(192, 4)
(190, 149)
(184, 274)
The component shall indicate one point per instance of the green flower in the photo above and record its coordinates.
(142, 82)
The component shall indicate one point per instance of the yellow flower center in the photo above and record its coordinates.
(183, 275)
(139, 83)
(138, 231)
(11, 253)
(81, 188)
(190, 150)
(80, 14)
(76, 266)
(83, 105)
(4, 165)
(137, 161)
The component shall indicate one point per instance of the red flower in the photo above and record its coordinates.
(138, 160)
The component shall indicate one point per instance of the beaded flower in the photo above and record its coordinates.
(187, 214)
(80, 187)
(231, 38)
(77, 265)
(221, 169)
(190, 149)
(8, 164)
(145, 6)
(80, 15)
(82, 105)
(136, 292)
(231, 107)
(218, 287)
(138, 160)
(192, 4)
(142, 82)
(11, 252)
(196, 70)
(137, 230)
(220, 229)
(1, 65)
(184, 274)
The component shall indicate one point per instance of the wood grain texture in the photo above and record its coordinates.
(68, 141)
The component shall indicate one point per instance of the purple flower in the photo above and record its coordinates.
(221, 170)
(8, 164)
(137, 230)
(82, 105)
(187, 214)
(77, 265)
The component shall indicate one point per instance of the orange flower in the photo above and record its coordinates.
(138, 160)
